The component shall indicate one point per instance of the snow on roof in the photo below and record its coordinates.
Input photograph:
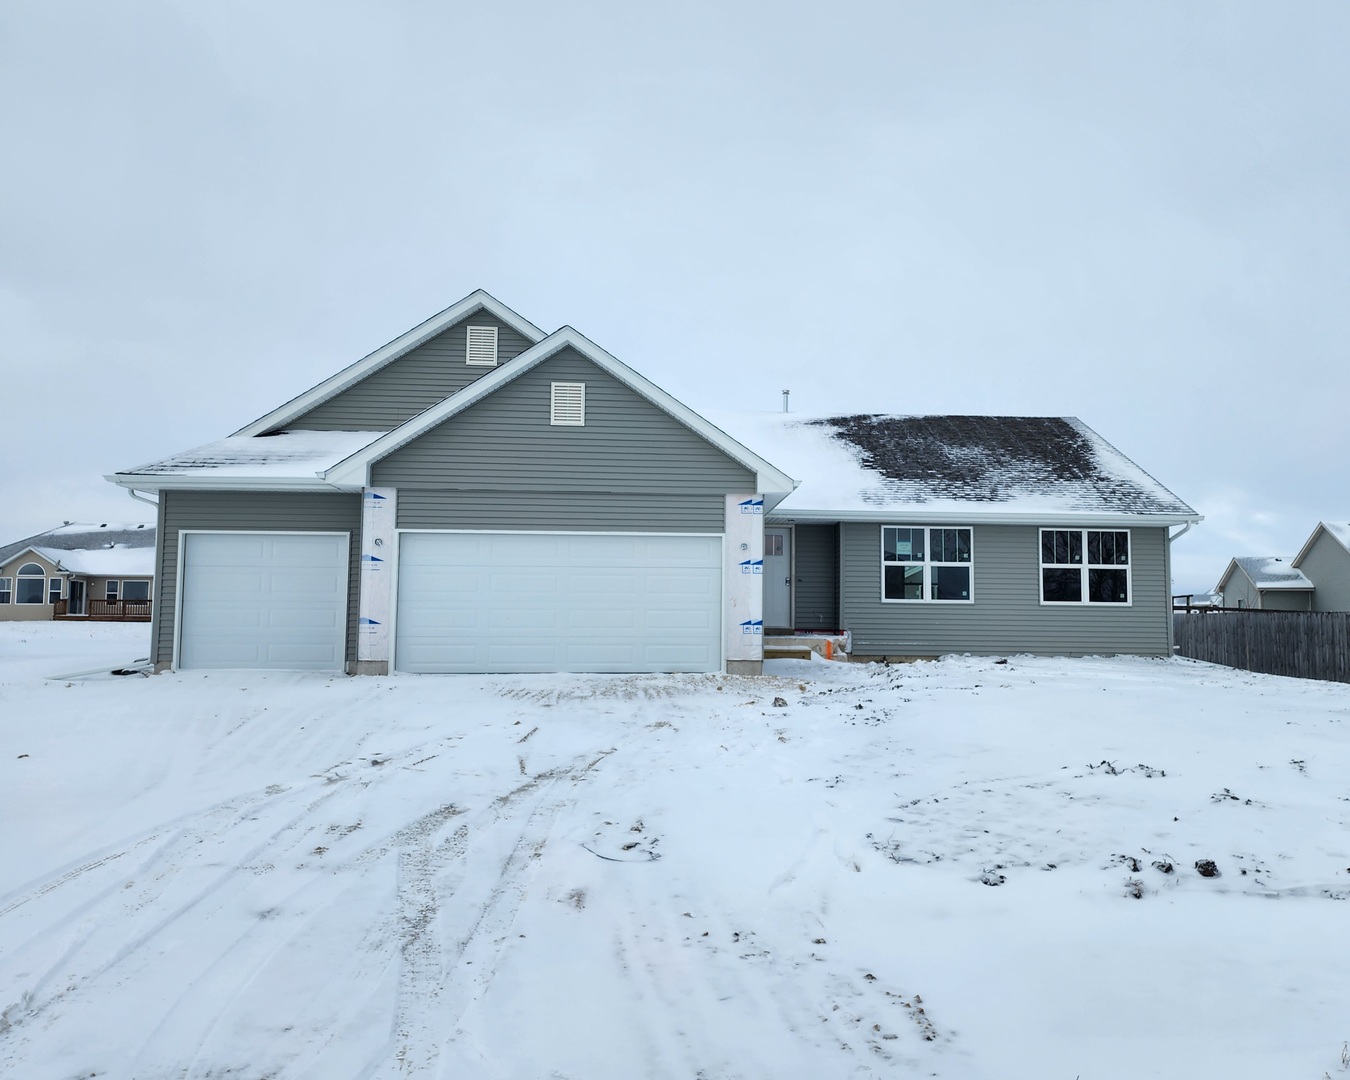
(299, 455)
(950, 464)
(114, 562)
(73, 535)
(1272, 572)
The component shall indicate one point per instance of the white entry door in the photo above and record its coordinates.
(519, 602)
(263, 600)
(777, 578)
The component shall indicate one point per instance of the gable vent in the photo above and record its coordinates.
(568, 406)
(482, 349)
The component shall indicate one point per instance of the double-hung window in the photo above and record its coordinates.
(923, 563)
(1085, 566)
(53, 590)
(110, 590)
(6, 590)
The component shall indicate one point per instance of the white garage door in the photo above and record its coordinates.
(263, 600)
(502, 602)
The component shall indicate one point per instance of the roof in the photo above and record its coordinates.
(73, 536)
(1272, 572)
(966, 468)
(289, 460)
(1338, 531)
(115, 562)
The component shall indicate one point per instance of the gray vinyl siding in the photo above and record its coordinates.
(425, 508)
(816, 575)
(1286, 600)
(1327, 566)
(1007, 615)
(1238, 590)
(415, 381)
(505, 443)
(245, 511)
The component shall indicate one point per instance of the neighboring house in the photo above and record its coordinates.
(1265, 583)
(79, 571)
(479, 496)
(1316, 579)
(1325, 561)
(923, 535)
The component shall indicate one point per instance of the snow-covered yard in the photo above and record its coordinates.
(962, 869)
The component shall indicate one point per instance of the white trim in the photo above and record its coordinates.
(927, 564)
(398, 571)
(8, 587)
(1083, 571)
(404, 343)
(920, 516)
(178, 579)
(116, 583)
(470, 349)
(354, 470)
(1307, 544)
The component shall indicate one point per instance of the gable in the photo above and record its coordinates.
(506, 442)
(415, 381)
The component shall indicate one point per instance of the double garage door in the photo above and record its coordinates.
(467, 602)
(520, 602)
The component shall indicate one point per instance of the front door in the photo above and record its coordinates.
(75, 597)
(777, 578)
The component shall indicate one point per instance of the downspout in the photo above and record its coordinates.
(142, 498)
(1171, 615)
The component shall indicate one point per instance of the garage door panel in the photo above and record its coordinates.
(263, 601)
(558, 602)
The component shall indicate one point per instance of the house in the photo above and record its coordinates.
(1265, 583)
(481, 496)
(1316, 579)
(1325, 560)
(922, 535)
(79, 571)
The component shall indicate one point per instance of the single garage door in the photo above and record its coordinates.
(504, 602)
(264, 600)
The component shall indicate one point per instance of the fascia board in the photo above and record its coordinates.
(354, 469)
(1228, 573)
(45, 558)
(946, 515)
(172, 482)
(386, 354)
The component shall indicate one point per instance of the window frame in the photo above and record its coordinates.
(136, 599)
(6, 590)
(928, 564)
(40, 577)
(56, 590)
(1084, 568)
(112, 589)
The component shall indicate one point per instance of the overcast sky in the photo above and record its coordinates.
(1133, 213)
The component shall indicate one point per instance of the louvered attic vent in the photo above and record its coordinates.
(482, 350)
(568, 404)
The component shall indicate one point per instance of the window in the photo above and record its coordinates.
(135, 590)
(924, 564)
(773, 545)
(1085, 566)
(481, 350)
(53, 590)
(31, 580)
(567, 406)
(6, 590)
(111, 589)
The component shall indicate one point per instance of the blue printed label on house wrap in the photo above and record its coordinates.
(752, 566)
(368, 622)
(752, 626)
(752, 506)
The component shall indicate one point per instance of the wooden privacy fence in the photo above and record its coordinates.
(1304, 644)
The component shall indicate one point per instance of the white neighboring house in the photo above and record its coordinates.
(1265, 583)
(79, 571)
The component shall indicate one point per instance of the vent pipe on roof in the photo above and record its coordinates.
(785, 399)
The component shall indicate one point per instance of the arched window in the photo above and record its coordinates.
(28, 589)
